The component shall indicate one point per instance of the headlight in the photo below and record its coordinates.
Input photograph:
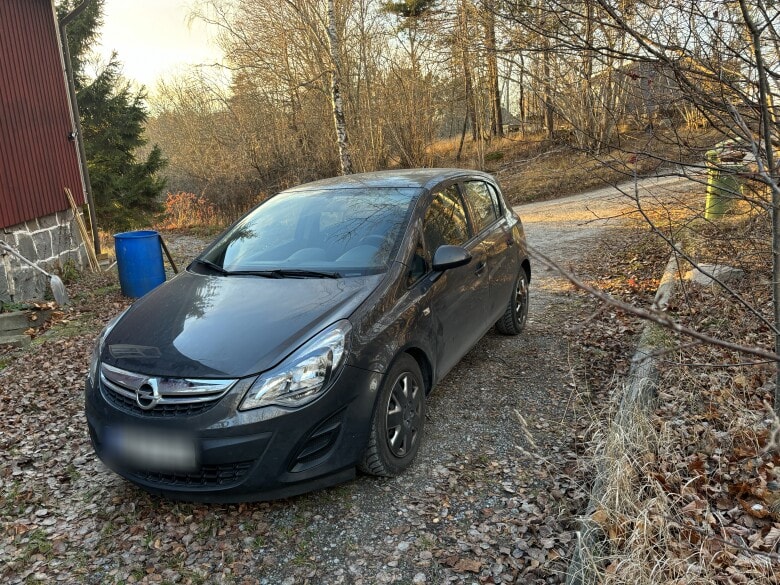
(305, 375)
(98, 349)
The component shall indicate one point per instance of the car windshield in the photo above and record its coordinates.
(327, 233)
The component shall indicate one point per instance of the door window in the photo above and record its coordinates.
(445, 221)
(483, 203)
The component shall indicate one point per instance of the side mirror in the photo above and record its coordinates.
(447, 257)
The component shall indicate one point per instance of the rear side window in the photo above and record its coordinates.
(445, 221)
(483, 202)
(496, 199)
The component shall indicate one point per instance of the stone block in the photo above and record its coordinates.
(43, 247)
(30, 285)
(76, 234)
(65, 216)
(49, 221)
(16, 321)
(62, 238)
(722, 272)
(15, 340)
(5, 293)
(25, 245)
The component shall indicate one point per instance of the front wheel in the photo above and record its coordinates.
(397, 424)
(513, 320)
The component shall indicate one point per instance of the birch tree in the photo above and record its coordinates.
(339, 120)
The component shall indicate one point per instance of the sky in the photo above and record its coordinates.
(152, 38)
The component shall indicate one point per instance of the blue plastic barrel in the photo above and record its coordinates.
(139, 261)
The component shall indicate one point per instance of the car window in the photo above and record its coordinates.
(445, 221)
(282, 231)
(496, 199)
(418, 266)
(346, 231)
(483, 203)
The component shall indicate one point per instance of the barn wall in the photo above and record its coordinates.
(37, 159)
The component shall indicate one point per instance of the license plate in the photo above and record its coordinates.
(152, 450)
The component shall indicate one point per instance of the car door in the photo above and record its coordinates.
(493, 231)
(458, 297)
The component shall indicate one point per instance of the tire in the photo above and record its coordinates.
(513, 320)
(397, 422)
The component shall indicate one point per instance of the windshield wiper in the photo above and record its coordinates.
(278, 273)
(264, 273)
(287, 273)
(210, 264)
(308, 274)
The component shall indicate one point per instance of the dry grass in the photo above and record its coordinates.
(649, 534)
(106, 240)
(688, 492)
(533, 168)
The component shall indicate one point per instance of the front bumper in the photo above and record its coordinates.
(261, 454)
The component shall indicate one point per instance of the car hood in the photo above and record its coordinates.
(201, 326)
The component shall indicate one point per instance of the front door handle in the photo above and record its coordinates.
(480, 268)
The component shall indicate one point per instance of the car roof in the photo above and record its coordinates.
(397, 178)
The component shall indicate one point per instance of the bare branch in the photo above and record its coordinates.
(659, 317)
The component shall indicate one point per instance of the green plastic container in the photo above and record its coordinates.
(724, 185)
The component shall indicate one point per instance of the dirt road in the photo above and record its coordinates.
(490, 498)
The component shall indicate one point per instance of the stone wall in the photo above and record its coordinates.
(48, 241)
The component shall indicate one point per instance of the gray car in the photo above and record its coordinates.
(301, 345)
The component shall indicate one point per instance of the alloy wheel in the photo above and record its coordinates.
(521, 298)
(404, 411)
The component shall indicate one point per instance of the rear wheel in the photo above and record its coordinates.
(397, 424)
(513, 320)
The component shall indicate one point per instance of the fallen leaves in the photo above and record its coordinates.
(481, 515)
(710, 496)
(469, 565)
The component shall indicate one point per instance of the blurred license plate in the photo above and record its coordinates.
(152, 449)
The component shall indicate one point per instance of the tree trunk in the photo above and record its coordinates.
(765, 134)
(496, 122)
(592, 129)
(469, 85)
(462, 137)
(339, 120)
(521, 95)
(549, 112)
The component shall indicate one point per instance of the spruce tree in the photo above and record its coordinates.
(126, 186)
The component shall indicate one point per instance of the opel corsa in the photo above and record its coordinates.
(302, 344)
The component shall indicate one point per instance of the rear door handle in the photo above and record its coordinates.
(480, 268)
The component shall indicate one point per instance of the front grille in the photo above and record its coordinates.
(223, 475)
(160, 397)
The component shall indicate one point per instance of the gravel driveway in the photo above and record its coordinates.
(490, 498)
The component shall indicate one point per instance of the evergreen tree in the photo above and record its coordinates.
(409, 9)
(113, 116)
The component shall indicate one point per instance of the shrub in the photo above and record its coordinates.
(187, 210)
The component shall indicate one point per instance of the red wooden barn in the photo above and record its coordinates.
(38, 153)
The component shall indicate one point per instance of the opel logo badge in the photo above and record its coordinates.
(147, 396)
